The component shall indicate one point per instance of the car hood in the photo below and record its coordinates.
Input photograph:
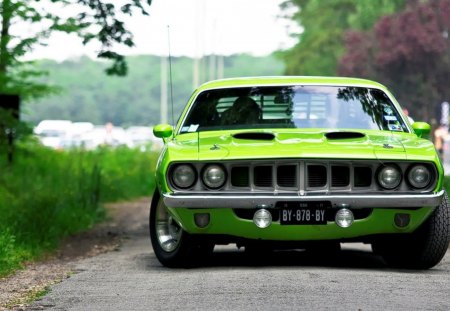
(302, 143)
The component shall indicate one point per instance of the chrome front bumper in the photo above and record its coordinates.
(269, 201)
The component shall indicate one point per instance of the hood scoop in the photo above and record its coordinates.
(254, 136)
(343, 135)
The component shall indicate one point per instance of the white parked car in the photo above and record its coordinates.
(75, 134)
(142, 136)
(52, 133)
(104, 136)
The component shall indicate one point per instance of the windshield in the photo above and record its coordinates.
(328, 107)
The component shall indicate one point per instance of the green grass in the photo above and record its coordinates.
(46, 195)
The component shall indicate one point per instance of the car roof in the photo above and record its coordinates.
(289, 80)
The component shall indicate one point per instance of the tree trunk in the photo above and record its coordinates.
(6, 15)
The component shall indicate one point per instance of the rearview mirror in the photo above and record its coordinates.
(163, 130)
(421, 128)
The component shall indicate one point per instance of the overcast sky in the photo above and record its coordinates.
(197, 27)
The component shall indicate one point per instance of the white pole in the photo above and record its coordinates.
(197, 56)
(212, 66)
(220, 67)
(164, 97)
(196, 73)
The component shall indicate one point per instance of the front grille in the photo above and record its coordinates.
(363, 176)
(287, 176)
(240, 176)
(340, 176)
(317, 176)
(263, 176)
(303, 177)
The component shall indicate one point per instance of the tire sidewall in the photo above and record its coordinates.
(176, 257)
(422, 249)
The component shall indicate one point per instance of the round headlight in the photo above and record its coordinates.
(183, 176)
(419, 176)
(214, 176)
(389, 177)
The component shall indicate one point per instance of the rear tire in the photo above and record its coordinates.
(174, 247)
(422, 249)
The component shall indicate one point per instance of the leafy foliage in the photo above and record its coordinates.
(91, 20)
(409, 52)
(321, 43)
(131, 100)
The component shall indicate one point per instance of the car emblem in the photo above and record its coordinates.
(387, 146)
(215, 147)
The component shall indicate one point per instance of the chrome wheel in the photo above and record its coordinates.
(168, 231)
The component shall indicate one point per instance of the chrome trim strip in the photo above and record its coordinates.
(253, 201)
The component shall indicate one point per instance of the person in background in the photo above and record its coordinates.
(109, 139)
(439, 136)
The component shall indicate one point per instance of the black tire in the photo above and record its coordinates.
(187, 251)
(422, 249)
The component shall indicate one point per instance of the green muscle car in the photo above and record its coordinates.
(298, 162)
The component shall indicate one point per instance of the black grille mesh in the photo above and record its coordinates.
(363, 176)
(317, 176)
(287, 176)
(240, 177)
(340, 176)
(263, 176)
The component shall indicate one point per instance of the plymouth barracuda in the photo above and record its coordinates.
(274, 163)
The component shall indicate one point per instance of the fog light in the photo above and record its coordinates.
(202, 220)
(262, 218)
(344, 218)
(402, 220)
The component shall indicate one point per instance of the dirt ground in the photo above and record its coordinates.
(17, 289)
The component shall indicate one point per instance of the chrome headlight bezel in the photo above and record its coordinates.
(183, 170)
(382, 178)
(221, 176)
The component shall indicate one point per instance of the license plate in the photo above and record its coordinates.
(304, 213)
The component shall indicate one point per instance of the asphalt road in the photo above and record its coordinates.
(132, 279)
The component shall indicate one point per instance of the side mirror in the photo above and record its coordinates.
(163, 130)
(421, 128)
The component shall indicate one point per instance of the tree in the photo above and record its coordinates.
(130, 100)
(321, 42)
(409, 52)
(90, 20)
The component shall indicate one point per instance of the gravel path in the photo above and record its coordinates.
(132, 279)
(16, 290)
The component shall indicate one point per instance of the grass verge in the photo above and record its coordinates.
(46, 195)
